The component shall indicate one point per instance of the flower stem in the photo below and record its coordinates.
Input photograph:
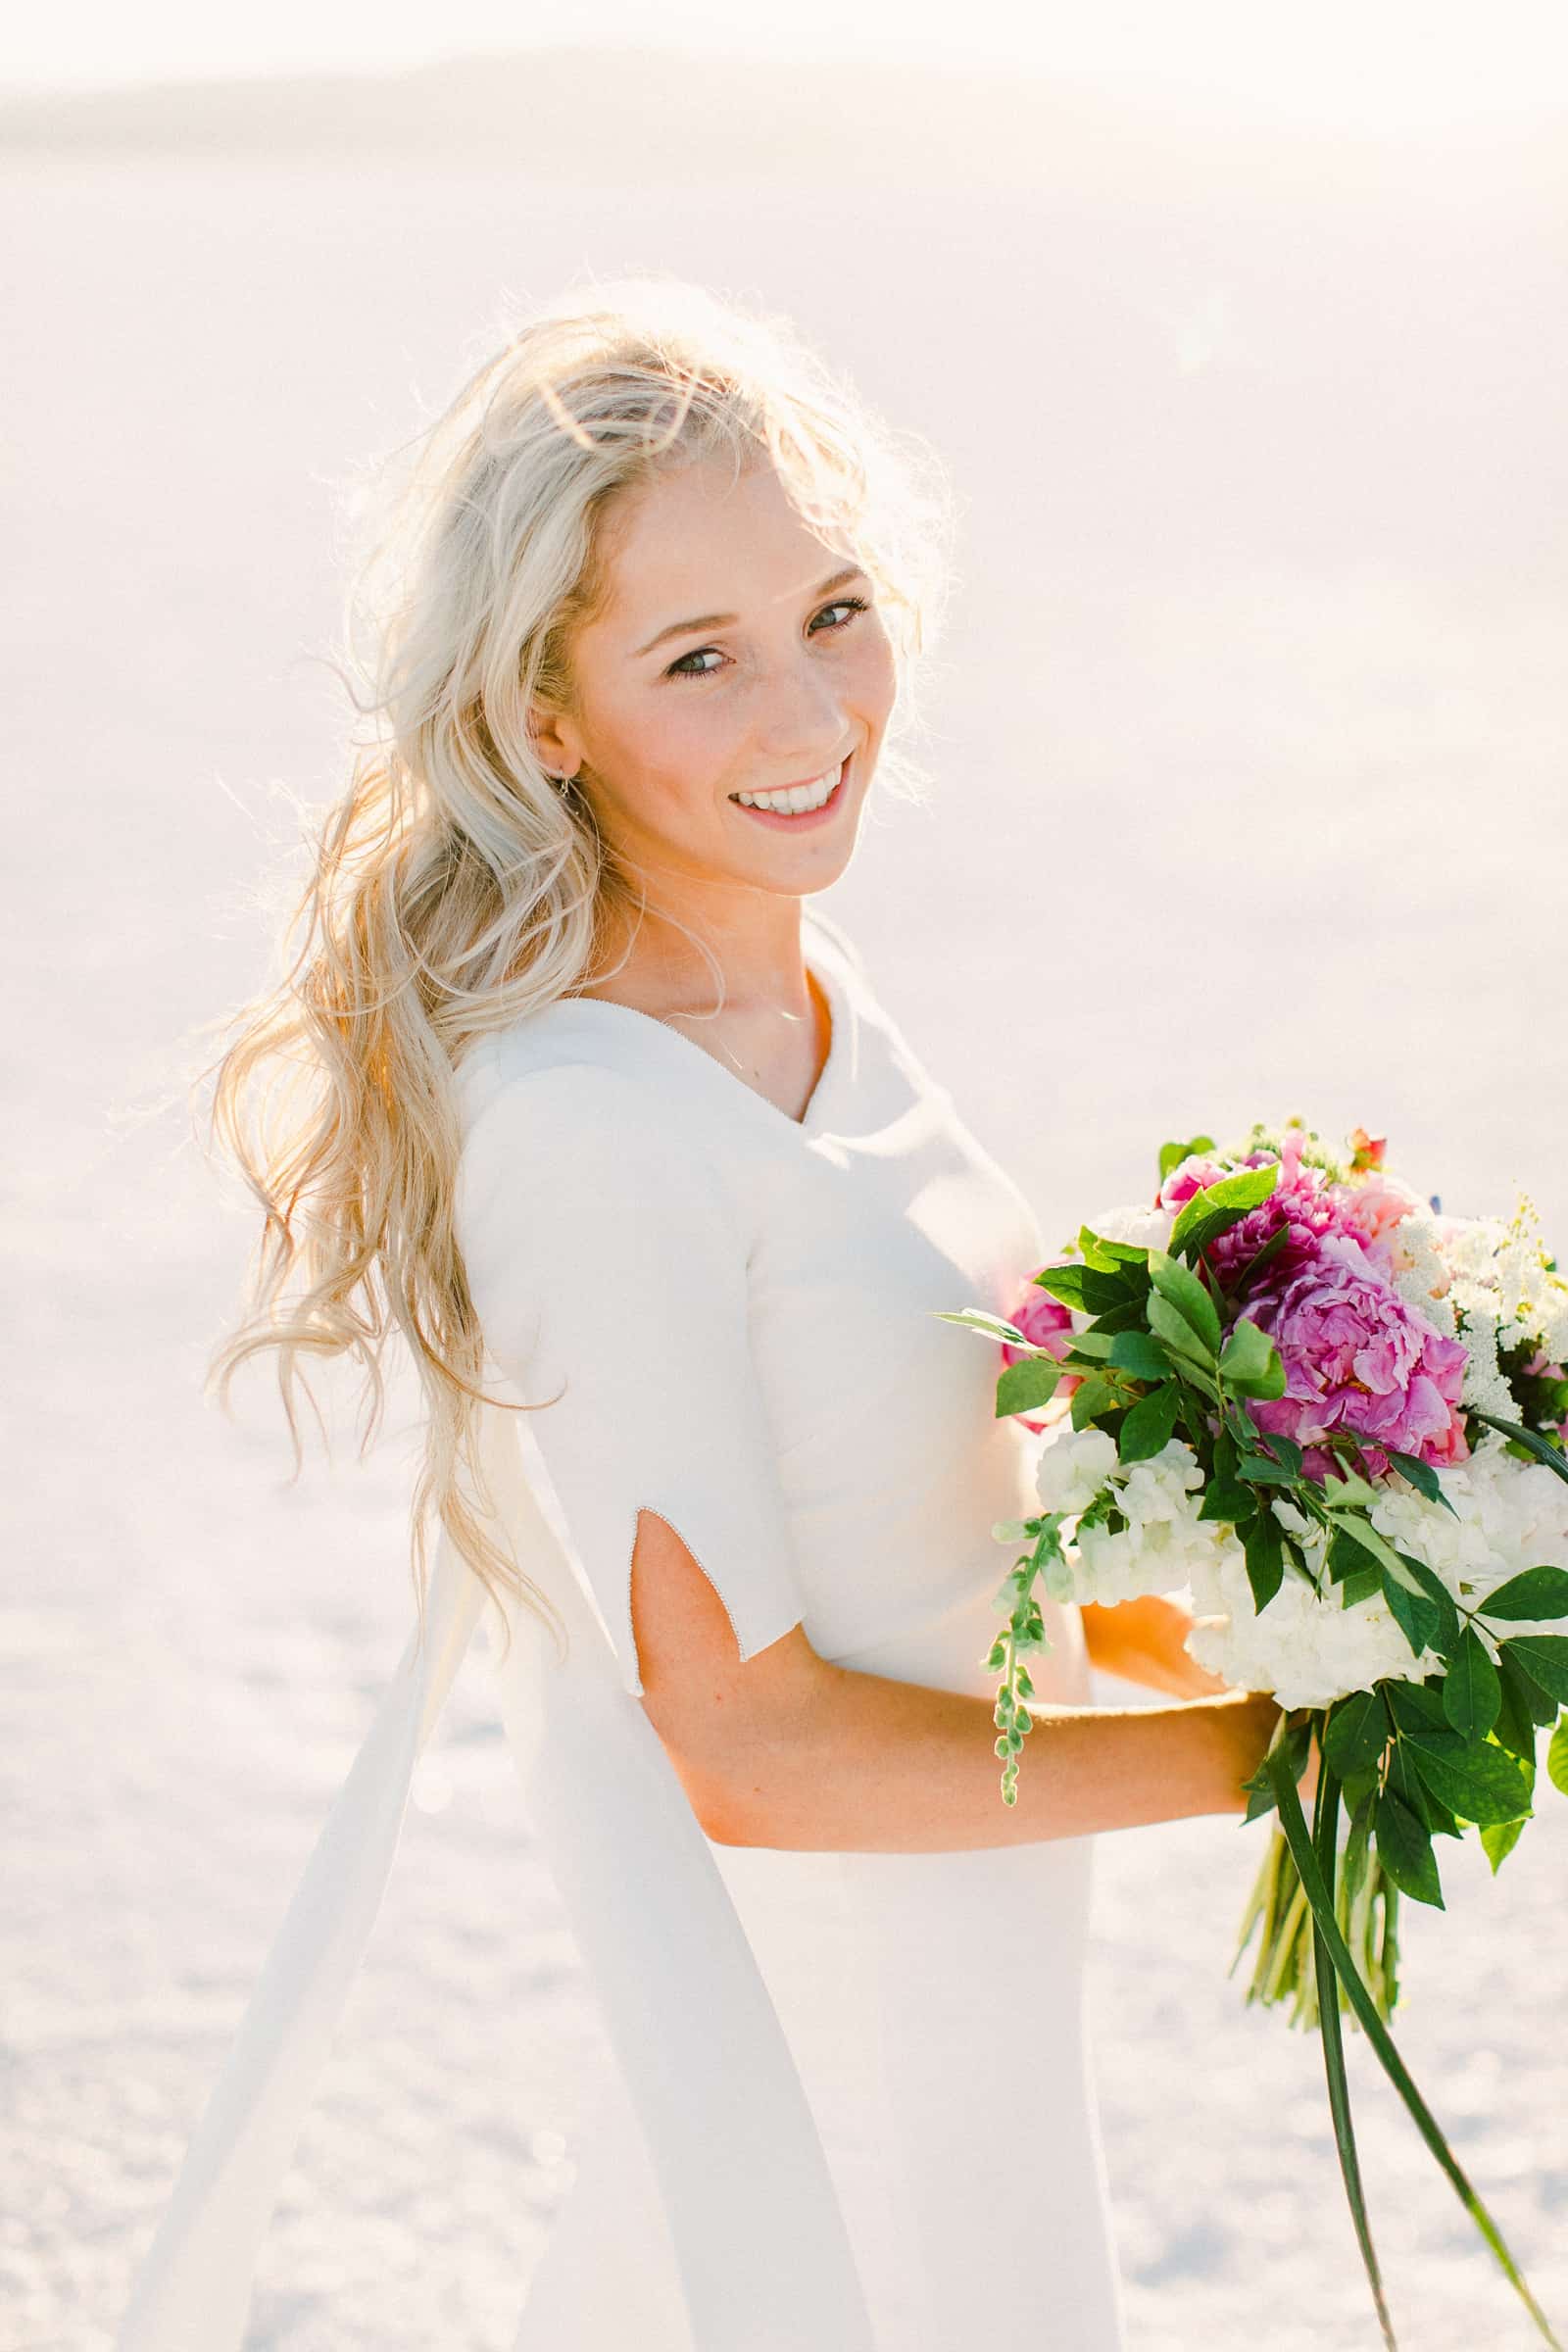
(1277, 1765)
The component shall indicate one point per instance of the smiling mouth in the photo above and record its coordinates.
(800, 800)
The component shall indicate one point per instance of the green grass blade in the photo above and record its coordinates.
(1378, 2035)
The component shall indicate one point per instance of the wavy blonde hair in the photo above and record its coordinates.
(456, 886)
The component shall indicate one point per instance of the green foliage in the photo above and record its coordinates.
(1476, 1780)
(1405, 1850)
(1209, 1214)
(1150, 1424)
(1544, 1659)
(1022, 1387)
(1250, 1364)
(1086, 1287)
(1558, 1757)
(1538, 1592)
(1472, 1688)
(1264, 1548)
(1499, 1840)
(1182, 1289)
(1135, 1352)
(1357, 1732)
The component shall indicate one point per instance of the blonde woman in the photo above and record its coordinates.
(570, 1093)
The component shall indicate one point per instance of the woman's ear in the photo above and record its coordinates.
(555, 741)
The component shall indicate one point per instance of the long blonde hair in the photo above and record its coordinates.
(456, 886)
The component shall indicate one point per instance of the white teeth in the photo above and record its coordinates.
(800, 796)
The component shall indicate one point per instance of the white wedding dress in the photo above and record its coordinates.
(849, 2107)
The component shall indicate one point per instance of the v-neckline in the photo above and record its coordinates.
(839, 1017)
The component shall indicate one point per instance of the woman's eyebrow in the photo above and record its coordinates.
(725, 621)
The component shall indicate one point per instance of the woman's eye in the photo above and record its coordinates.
(848, 606)
(677, 670)
(844, 603)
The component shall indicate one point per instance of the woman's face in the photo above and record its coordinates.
(731, 655)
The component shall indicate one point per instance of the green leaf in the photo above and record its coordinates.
(1476, 1780)
(1417, 1706)
(1265, 1558)
(1171, 1156)
(1445, 1640)
(1409, 1788)
(1553, 1456)
(1183, 1291)
(994, 1327)
(1209, 1214)
(1150, 1424)
(1515, 1727)
(1103, 1254)
(1348, 1493)
(1499, 1840)
(1558, 1757)
(1259, 1471)
(1090, 1399)
(1538, 1592)
(1284, 1450)
(1422, 1477)
(1082, 1287)
(1414, 1614)
(1094, 1343)
(1472, 1689)
(1545, 1658)
(1357, 1734)
(1361, 1584)
(1405, 1850)
(1136, 1353)
(1519, 1684)
(1250, 1357)
(1177, 1333)
(1366, 1535)
(1344, 1556)
(1022, 1386)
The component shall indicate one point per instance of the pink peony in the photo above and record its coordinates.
(1373, 1207)
(1358, 1358)
(1303, 1202)
(1046, 1322)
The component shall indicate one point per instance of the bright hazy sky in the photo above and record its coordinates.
(1369, 63)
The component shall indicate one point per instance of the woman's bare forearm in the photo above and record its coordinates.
(873, 1765)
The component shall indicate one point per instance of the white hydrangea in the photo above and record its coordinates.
(1507, 1516)
(1307, 1651)
(1073, 1465)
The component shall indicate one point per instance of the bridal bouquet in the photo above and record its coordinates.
(1337, 1416)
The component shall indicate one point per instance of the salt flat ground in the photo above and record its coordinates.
(1247, 743)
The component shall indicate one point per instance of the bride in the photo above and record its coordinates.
(573, 1093)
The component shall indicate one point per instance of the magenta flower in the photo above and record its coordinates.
(1303, 1202)
(1358, 1358)
(1048, 1324)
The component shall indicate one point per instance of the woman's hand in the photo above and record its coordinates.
(1145, 1641)
(1251, 1718)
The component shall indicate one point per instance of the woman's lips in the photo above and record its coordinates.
(785, 820)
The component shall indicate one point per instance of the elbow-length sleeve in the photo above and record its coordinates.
(606, 1264)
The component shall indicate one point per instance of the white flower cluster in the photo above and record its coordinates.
(1499, 1275)
(1305, 1648)
(1163, 1536)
